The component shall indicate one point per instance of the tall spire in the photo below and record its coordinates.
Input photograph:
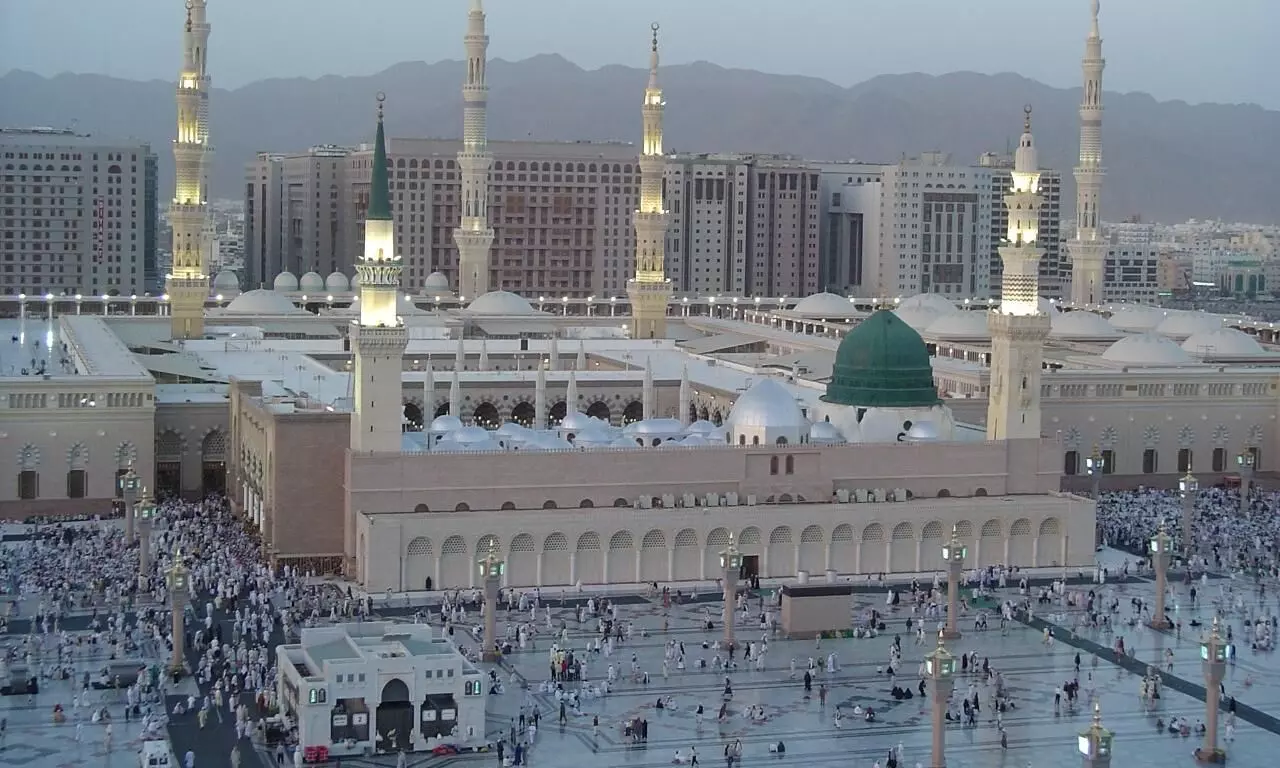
(686, 397)
(571, 393)
(428, 396)
(474, 235)
(1088, 249)
(187, 284)
(650, 290)
(540, 398)
(379, 196)
(379, 267)
(647, 394)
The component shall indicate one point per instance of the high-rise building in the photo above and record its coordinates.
(474, 235)
(293, 217)
(650, 289)
(188, 280)
(1089, 249)
(784, 257)
(1054, 273)
(264, 228)
(935, 228)
(1019, 326)
(849, 234)
(1131, 273)
(79, 213)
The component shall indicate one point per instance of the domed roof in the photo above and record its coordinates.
(1180, 325)
(1081, 325)
(436, 282)
(918, 317)
(311, 282)
(695, 440)
(446, 423)
(511, 429)
(226, 280)
(407, 307)
(923, 430)
(262, 302)
(654, 427)
(285, 281)
(767, 404)
(1146, 349)
(1136, 318)
(355, 281)
(337, 283)
(1223, 342)
(470, 435)
(882, 362)
(935, 301)
(825, 432)
(576, 420)
(882, 425)
(824, 304)
(700, 427)
(594, 435)
(500, 303)
(960, 325)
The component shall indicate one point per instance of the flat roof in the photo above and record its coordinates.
(96, 350)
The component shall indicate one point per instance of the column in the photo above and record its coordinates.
(491, 586)
(130, 486)
(730, 575)
(954, 568)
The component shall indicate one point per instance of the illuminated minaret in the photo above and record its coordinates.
(650, 290)
(474, 235)
(378, 338)
(188, 281)
(1018, 327)
(1088, 250)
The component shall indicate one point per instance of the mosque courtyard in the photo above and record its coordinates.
(1036, 736)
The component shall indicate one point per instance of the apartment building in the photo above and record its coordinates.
(849, 234)
(1055, 269)
(77, 213)
(935, 228)
(1132, 273)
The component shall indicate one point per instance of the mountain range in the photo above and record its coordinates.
(1166, 161)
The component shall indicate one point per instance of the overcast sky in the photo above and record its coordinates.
(1195, 50)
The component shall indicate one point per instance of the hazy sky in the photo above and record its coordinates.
(1196, 50)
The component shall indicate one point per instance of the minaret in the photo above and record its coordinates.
(1088, 250)
(474, 236)
(1018, 327)
(428, 396)
(571, 394)
(648, 398)
(540, 398)
(378, 339)
(455, 395)
(686, 397)
(188, 281)
(650, 290)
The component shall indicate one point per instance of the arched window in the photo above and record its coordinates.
(755, 439)
(773, 465)
(28, 484)
(781, 440)
(791, 465)
(1150, 461)
(1219, 459)
(1184, 459)
(1071, 463)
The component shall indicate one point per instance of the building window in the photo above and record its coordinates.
(1150, 461)
(77, 483)
(1219, 459)
(28, 484)
(1184, 459)
(1071, 463)
(791, 465)
(1109, 461)
(773, 465)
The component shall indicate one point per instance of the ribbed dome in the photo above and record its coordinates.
(960, 325)
(262, 302)
(285, 281)
(767, 404)
(824, 305)
(1180, 325)
(1146, 349)
(1081, 325)
(500, 303)
(446, 423)
(226, 280)
(654, 427)
(337, 283)
(576, 420)
(436, 282)
(882, 362)
(1223, 342)
(311, 282)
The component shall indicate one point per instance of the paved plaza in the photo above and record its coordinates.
(1036, 737)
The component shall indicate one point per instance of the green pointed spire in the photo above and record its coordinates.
(379, 197)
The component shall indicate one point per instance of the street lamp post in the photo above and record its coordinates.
(1160, 559)
(129, 485)
(1213, 657)
(146, 514)
(177, 579)
(491, 569)
(953, 554)
(1245, 462)
(730, 565)
(1188, 486)
(1095, 742)
(940, 668)
(1095, 464)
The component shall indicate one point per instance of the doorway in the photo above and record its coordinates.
(168, 479)
(750, 567)
(395, 719)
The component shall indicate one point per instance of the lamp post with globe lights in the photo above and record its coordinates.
(1160, 545)
(1245, 461)
(146, 515)
(1188, 487)
(130, 483)
(1213, 658)
(177, 578)
(953, 554)
(491, 569)
(730, 565)
(940, 669)
(1095, 464)
(1095, 742)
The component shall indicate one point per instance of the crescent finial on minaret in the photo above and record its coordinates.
(381, 97)
(655, 26)
(1094, 7)
(1026, 123)
(189, 6)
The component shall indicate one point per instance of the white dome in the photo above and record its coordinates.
(1136, 319)
(1180, 325)
(436, 282)
(337, 283)
(935, 301)
(407, 307)
(960, 325)
(470, 435)
(226, 280)
(576, 420)
(1146, 349)
(262, 302)
(923, 430)
(511, 429)
(700, 427)
(825, 432)
(593, 435)
(824, 305)
(767, 404)
(355, 281)
(311, 282)
(285, 281)
(918, 317)
(626, 442)
(446, 423)
(1081, 325)
(1223, 342)
(881, 425)
(654, 427)
(500, 303)
(693, 440)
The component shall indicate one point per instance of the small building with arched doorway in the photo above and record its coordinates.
(379, 687)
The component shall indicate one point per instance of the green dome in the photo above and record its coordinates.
(882, 363)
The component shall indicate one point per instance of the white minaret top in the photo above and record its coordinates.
(379, 265)
(1088, 251)
(474, 236)
(1020, 294)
